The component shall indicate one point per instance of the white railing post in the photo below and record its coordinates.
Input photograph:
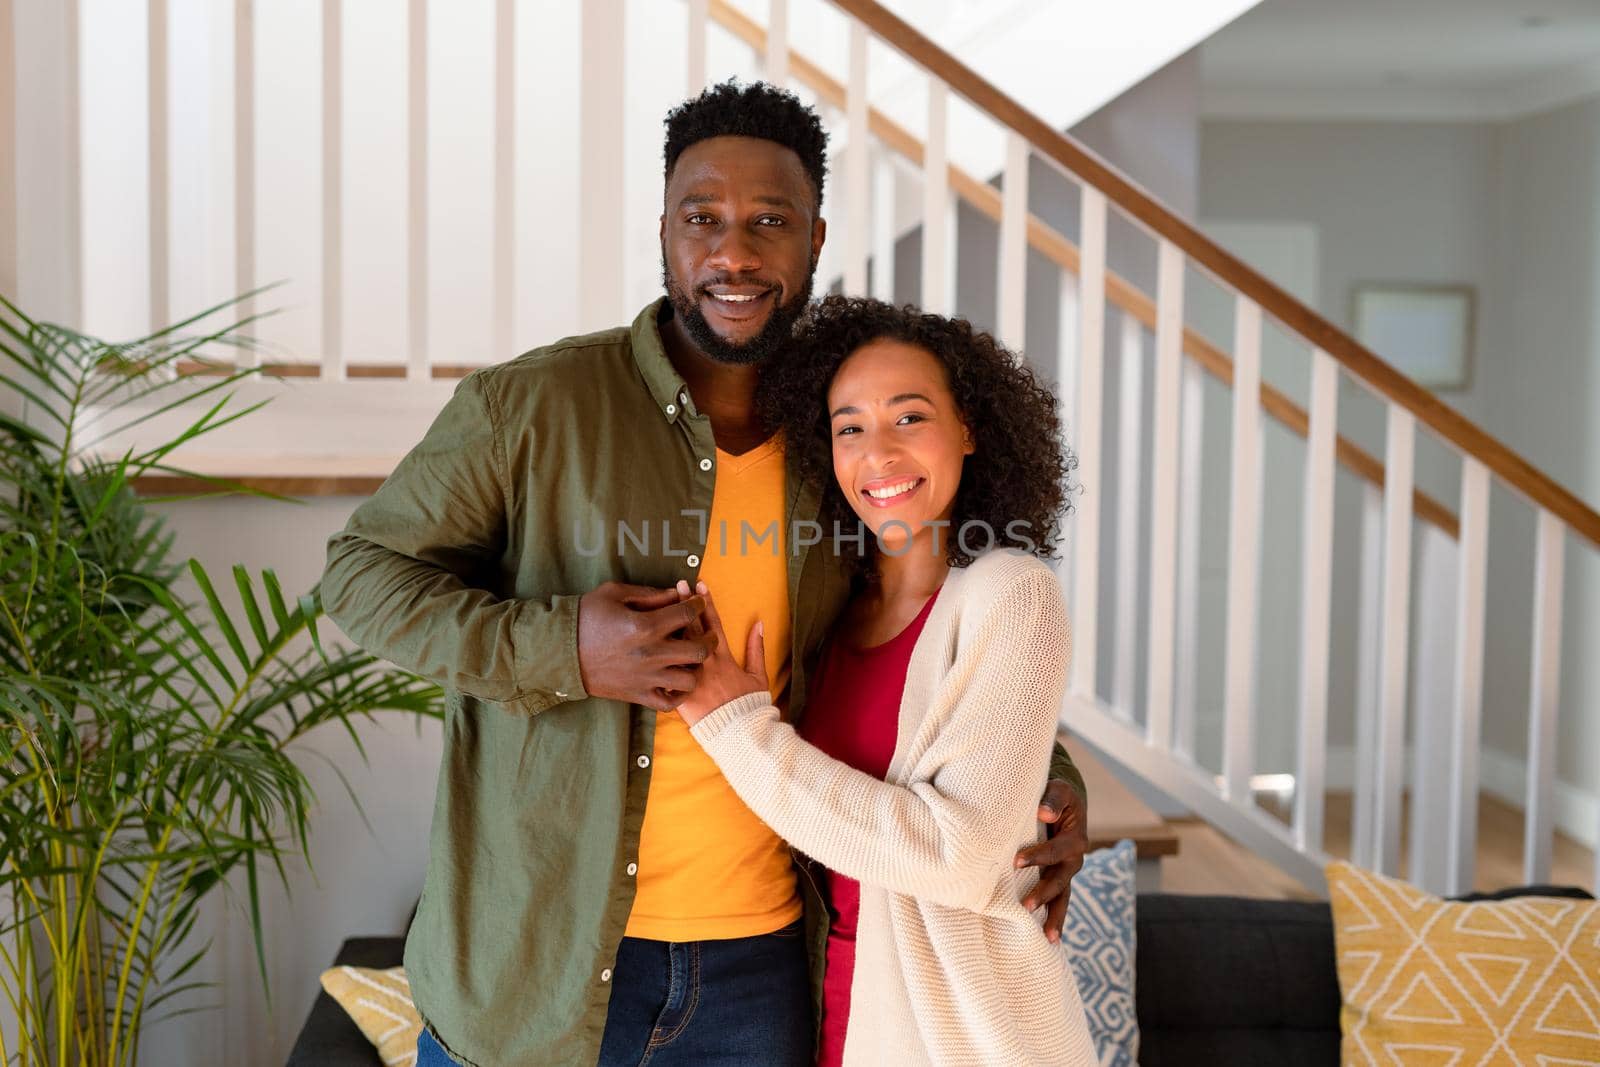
(600, 161)
(244, 163)
(8, 136)
(858, 162)
(1363, 819)
(1185, 700)
(417, 369)
(333, 363)
(1438, 568)
(504, 220)
(1316, 584)
(1466, 704)
(1011, 300)
(1130, 478)
(160, 167)
(1164, 494)
(1395, 628)
(777, 64)
(1091, 361)
(883, 227)
(1244, 538)
(1544, 699)
(935, 203)
(699, 15)
(1067, 392)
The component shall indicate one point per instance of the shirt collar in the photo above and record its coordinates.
(666, 385)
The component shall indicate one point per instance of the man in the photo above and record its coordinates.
(524, 554)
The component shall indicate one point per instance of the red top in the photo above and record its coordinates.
(853, 715)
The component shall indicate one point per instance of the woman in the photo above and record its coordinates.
(927, 736)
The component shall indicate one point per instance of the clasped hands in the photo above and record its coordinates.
(666, 649)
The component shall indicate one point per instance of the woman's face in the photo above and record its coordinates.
(898, 439)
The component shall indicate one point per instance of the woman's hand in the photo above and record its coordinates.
(721, 677)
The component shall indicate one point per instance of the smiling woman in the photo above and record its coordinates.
(876, 392)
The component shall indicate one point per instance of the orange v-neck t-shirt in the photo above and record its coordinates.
(708, 869)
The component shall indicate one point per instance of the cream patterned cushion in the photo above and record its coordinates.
(1427, 981)
(379, 1002)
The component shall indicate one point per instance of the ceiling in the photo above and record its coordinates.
(1413, 59)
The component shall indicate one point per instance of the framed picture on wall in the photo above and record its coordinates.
(1425, 331)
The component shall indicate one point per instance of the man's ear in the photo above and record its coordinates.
(819, 234)
(661, 228)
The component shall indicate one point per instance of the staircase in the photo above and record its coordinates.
(910, 156)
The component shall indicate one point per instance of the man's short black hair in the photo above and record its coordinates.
(757, 110)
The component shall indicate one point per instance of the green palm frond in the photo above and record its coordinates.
(147, 734)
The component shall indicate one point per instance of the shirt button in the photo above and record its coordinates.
(672, 409)
(605, 975)
(560, 695)
(633, 868)
(643, 761)
(705, 464)
(693, 561)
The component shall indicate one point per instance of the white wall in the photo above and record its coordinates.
(1510, 209)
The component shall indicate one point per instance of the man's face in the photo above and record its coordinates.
(739, 245)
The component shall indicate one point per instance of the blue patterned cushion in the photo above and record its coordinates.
(1099, 942)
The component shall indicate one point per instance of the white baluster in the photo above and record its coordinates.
(333, 362)
(1091, 361)
(417, 363)
(1316, 588)
(1544, 699)
(1399, 480)
(883, 227)
(1011, 300)
(1130, 469)
(1244, 538)
(858, 188)
(777, 72)
(160, 188)
(1067, 390)
(600, 162)
(1164, 493)
(1369, 636)
(1190, 467)
(505, 165)
(1438, 568)
(9, 194)
(244, 164)
(935, 204)
(699, 11)
(1466, 705)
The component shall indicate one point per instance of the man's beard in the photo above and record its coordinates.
(774, 336)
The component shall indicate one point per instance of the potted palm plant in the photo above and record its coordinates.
(146, 733)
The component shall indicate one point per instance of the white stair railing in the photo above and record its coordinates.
(1137, 691)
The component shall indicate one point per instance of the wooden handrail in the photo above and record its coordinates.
(1060, 250)
(1146, 209)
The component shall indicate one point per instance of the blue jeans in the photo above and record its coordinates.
(429, 1054)
(710, 1003)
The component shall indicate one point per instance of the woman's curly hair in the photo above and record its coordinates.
(1019, 470)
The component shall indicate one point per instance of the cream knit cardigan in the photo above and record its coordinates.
(950, 969)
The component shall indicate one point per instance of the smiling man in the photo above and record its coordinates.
(596, 891)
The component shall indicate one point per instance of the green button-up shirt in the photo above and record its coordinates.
(466, 567)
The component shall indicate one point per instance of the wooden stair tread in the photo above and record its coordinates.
(1116, 813)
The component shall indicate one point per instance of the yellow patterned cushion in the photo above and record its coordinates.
(380, 1003)
(1431, 982)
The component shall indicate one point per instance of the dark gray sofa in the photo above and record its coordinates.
(1221, 980)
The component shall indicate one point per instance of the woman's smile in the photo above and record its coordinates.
(891, 492)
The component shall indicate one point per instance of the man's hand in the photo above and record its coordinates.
(640, 644)
(1060, 856)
